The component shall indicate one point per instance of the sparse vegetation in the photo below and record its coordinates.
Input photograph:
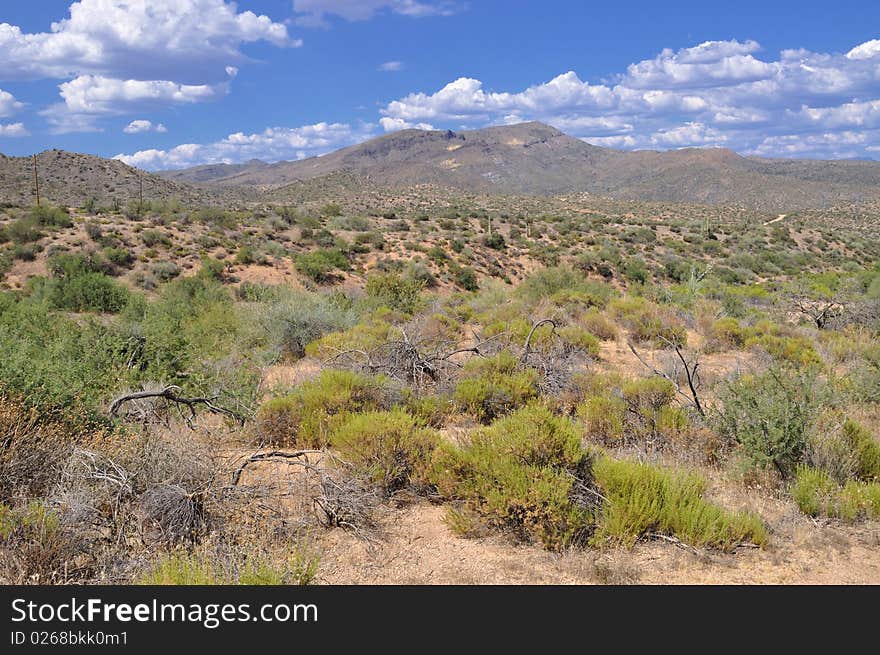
(342, 358)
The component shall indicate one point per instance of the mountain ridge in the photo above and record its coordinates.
(534, 158)
(523, 159)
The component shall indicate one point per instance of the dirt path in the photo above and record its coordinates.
(774, 220)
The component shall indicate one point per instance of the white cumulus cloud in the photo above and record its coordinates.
(13, 130)
(8, 104)
(272, 144)
(142, 125)
(123, 55)
(394, 124)
(143, 39)
(714, 93)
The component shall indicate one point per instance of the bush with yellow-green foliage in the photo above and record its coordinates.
(397, 292)
(517, 331)
(598, 324)
(644, 500)
(577, 338)
(866, 377)
(527, 474)
(649, 322)
(843, 448)
(306, 418)
(818, 494)
(561, 285)
(604, 419)
(429, 409)
(589, 294)
(726, 334)
(782, 344)
(496, 385)
(388, 447)
(795, 350)
(363, 336)
(201, 568)
(616, 411)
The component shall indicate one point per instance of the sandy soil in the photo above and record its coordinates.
(417, 548)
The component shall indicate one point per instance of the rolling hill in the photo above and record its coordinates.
(69, 178)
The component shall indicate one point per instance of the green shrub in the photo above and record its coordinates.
(54, 361)
(494, 386)
(165, 271)
(769, 415)
(598, 324)
(865, 448)
(215, 216)
(818, 494)
(617, 411)
(48, 216)
(297, 319)
(22, 230)
(320, 265)
(363, 336)
(579, 339)
(94, 230)
(648, 395)
(153, 238)
(331, 209)
(495, 241)
(307, 417)
(180, 568)
(192, 335)
(389, 447)
(212, 269)
(466, 278)
(843, 449)
(814, 491)
(121, 257)
(183, 568)
(649, 321)
(248, 254)
(553, 281)
(645, 500)
(792, 349)
(604, 418)
(71, 265)
(726, 334)
(526, 474)
(398, 293)
(429, 410)
(87, 292)
(636, 271)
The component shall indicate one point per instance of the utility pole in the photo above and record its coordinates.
(36, 182)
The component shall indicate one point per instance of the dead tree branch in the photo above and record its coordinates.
(690, 371)
(275, 454)
(528, 345)
(171, 394)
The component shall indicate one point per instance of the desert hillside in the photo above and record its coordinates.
(533, 158)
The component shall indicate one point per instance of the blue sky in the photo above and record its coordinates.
(173, 83)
